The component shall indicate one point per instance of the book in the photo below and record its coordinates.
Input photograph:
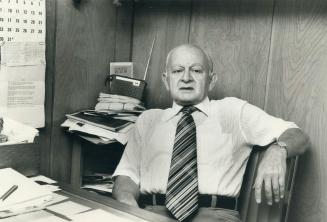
(101, 121)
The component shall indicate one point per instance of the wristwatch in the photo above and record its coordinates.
(282, 144)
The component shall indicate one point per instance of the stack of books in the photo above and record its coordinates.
(110, 121)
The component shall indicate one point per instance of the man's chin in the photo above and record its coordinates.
(187, 101)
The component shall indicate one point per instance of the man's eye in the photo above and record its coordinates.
(177, 71)
(197, 70)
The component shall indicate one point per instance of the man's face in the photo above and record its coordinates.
(188, 76)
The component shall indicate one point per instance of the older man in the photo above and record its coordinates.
(188, 161)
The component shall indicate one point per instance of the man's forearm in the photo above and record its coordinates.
(296, 140)
(126, 191)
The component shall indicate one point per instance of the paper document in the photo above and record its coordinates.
(75, 125)
(22, 53)
(28, 196)
(43, 179)
(17, 132)
(22, 63)
(36, 216)
(101, 215)
(68, 208)
(22, 91)
(51, 188)
(22, 21)
(104, 187)
(56, 198)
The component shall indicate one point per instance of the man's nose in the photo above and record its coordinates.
(186, 76)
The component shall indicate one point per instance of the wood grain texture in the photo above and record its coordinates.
(25, 158)
(124, 32)
(77, 164)
(85, 42)
(168, 21)
(49, 76)
(298, 92)
(237, 36)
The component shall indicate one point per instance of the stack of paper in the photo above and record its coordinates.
(17, 132)
(101, 215)
(105, 135)
(118, 103)
(99, 120)
(29, 196)
(98, 182)
(113, 117)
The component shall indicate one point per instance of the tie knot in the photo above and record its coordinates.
(188, 109)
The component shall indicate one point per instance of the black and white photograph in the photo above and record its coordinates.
(163, 110)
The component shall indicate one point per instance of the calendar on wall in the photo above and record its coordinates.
(22, 60)
(22, 20)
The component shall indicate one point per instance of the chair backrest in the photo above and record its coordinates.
(250, 211)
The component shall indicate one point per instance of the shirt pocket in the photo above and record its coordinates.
(214, 146)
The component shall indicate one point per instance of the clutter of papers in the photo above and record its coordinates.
(100, 215)
(98, 182)
(111, 120)
(33, 199)
(20, 194)
(118, 103)
(13, 132)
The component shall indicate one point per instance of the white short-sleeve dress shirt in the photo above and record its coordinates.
(226, 130)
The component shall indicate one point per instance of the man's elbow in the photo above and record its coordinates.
(297, 141)
(303, 144)
(306, 143)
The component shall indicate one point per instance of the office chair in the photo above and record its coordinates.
(250, 211)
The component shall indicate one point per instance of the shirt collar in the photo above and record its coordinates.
(170, 113)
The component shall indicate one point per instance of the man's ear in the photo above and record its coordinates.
(164, 77)
(213, 79)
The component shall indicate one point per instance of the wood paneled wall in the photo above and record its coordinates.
(87, 37)
(272, 53)
(297, 91)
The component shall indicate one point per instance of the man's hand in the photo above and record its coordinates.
(126, 191)
(271, 174)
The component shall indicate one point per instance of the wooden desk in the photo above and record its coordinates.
(95, 201)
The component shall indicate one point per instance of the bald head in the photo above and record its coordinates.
(190, 48)
(188, 75)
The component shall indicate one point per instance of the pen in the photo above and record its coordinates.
(58, 214)
(9, 192)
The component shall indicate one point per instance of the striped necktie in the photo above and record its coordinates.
(182, 189)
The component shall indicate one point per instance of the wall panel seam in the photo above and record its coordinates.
(53, 89)
(190, 21)
(270, 54)
(132, 33)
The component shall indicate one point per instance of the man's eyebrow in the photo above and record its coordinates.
(177, 66)
(197, 64)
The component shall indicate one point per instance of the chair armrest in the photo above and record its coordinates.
(250, 211)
